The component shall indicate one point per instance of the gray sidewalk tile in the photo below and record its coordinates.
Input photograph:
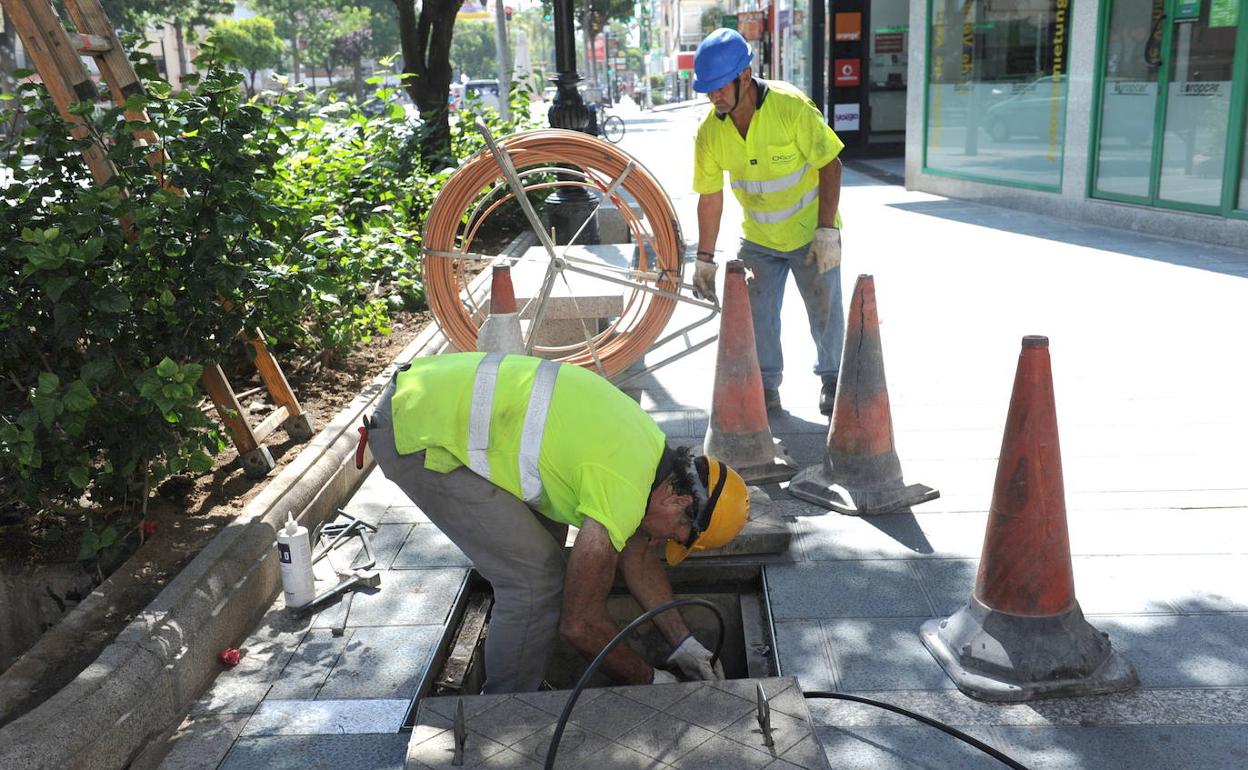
(883, 654)
(200, 743)
(710, 708)
(405, 597)
(309, 667)
(384, 543)
(947, 582)
(1128, 747)
(382, 662)
(1182, 650)
(718, 753)
(1209, 583)
(230, 695)
(802, 651)
(326, 717)
(898, 747)
(613, 755)
(865, 589)
(404, 512)
(1108, 585)
(511, 721)
(576, 746)
(426, 546)
(300, 752)
(665, 738)
(610, 714)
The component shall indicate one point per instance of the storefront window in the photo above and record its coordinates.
(1243, 174)
(1129, 97)
(997, 89)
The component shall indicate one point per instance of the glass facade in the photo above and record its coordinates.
(996, 100)
(1243, 174)
(889, 38)
(1129, 97)
(793, 38)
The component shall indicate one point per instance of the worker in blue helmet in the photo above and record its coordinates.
(783, 166)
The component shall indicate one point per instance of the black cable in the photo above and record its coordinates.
(611, 645)
(955, 732)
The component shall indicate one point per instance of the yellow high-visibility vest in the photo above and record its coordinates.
(559, 437)
(774, 169)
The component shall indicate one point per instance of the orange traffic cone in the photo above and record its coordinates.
(500, 332)
(861, 475)
(1022, 635)
(738, 433)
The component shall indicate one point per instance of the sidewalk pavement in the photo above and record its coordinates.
(1150, 376)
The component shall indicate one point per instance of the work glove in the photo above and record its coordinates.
(704, 280)
(694, 660)
(663, 677)
(825, 249)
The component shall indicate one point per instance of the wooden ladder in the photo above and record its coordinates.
(57, 56)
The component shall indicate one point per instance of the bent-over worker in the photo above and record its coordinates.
(502, 453)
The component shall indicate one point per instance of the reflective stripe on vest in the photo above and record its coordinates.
(779, 215)
(482, 411)
(479, 416)
(771, 185)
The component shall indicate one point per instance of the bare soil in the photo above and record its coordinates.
(190, 510)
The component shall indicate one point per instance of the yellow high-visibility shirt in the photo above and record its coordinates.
(599, 449)
(774, 170)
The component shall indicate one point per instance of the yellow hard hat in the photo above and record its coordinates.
(723, 508)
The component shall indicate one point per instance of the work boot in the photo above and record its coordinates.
(771, 399)
(827, 396)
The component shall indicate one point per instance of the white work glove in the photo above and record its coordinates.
(704, 280)
(694, 660)
(825, 249)
(663, 677)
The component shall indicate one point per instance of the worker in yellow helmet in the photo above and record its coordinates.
(503, 453)
(783, 166)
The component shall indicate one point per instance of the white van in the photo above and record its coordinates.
(484, 92)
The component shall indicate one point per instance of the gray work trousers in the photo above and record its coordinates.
(514, 547)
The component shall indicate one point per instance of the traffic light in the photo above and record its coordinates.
(507, 12)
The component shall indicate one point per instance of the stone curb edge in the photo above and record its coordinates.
(161, 662)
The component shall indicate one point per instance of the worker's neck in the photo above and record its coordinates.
(746, 106)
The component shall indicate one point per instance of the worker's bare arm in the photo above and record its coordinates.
(584, 621)
(647, 582)
(710, 210)
(829, 192)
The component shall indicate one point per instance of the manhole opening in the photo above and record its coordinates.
(737, 591)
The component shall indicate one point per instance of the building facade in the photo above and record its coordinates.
(1124, 112)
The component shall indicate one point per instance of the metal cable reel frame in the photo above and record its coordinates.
(526, 162)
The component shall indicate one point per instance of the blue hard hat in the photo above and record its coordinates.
(719, 59)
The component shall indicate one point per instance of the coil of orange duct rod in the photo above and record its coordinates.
(478, 188)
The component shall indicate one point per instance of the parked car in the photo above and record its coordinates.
(486, 93)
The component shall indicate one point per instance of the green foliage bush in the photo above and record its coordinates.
(280, 213)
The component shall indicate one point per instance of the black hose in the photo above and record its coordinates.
(611, 645)
(955, 732)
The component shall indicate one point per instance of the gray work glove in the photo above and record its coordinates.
(663, 677)
(704, 280)
(825, 249)
(694, 660)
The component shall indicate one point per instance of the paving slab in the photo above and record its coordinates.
(300, 752)
(382, 661)
(689, 725)
(405, 597)
(426, 546)
(864, 589)
(326, 717)
(1127, 747)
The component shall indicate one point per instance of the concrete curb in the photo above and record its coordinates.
(162, 661)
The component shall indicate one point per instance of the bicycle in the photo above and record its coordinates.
(611, 127)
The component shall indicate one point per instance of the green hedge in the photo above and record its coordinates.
(299, 218)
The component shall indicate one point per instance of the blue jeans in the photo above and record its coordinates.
(820, 292)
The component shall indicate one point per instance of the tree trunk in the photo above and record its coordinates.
(425, 40)
(357, 76)
(181, 42)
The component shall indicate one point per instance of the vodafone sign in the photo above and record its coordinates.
(847, 72)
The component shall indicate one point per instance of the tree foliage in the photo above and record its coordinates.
(473, 49)
(253, 41)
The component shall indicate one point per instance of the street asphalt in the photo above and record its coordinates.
(1149, 371)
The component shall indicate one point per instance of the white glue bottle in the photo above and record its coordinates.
(294, 553)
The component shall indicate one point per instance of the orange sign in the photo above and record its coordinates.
(848, 26)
